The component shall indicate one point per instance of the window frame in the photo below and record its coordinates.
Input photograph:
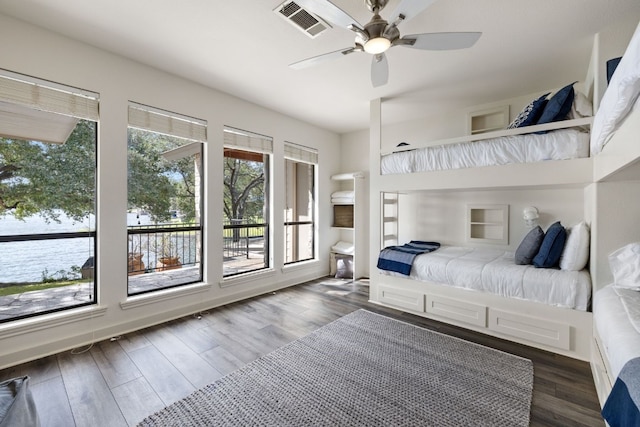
(255, 144)
(31, 94)
(174, 125)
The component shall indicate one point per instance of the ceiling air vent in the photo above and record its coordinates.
(303, 20)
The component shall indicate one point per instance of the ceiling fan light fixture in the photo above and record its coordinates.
(377, 45)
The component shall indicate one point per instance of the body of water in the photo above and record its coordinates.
(33, 260)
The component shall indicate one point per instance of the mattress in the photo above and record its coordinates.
(495, 271)
(619, 338)
(557, 145)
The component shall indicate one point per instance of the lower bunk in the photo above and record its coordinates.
(615, 360)
(556, 329)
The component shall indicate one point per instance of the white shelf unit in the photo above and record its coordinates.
(488, 120)
(350, 219)
(488, 224)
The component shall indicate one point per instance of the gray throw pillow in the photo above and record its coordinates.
(529, 246)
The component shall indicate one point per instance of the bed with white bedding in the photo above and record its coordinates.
(560, 144)
(619, 339)
(495, 271)
(616, 356)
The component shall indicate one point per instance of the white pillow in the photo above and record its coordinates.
(581, 106)
(343, 248)
(575, 254)
(619, 97)
(625, 266)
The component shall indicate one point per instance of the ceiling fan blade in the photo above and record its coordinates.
(379, 70)
(330, 12)
(322, 58)
(410, 8)
(440, 41)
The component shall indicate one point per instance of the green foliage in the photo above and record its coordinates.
(244, 190)
(44, 179)
(156, 184)
(47, 179)
(61, 275)
(28, 287)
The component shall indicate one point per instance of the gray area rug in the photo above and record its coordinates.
(365, 369)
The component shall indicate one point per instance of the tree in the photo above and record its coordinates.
(156, 184)
(45, 179)
(243, 188)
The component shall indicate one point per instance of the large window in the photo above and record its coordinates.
(164, 221)
(47, 197)
(299, 211)
(246, 201)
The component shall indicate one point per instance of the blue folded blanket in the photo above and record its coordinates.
(622, 407)
(399, 259)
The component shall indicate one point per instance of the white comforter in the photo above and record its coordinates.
(557, 145)
(495, 271)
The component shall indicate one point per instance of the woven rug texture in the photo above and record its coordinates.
(365, 369)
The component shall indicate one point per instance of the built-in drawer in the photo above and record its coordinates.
(401, 298)
(533, 329)
(462, 311)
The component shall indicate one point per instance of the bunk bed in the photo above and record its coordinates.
(616, 326)
(531, 147)
(545, 308)
(560, 328)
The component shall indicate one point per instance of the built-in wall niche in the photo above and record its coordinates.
(488, 224)
(343, 216)
(488, 119)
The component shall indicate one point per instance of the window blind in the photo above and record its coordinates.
(300, 153)
(167, 123)
(43, 96)
(243, 140)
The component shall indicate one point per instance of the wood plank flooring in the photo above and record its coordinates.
(119, 382)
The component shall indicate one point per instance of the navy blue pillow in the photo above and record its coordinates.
(552, 246)
(530, 114)
(612, 64)
(558, 106)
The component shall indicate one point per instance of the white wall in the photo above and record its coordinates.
(33, 51)
(615, 224)
(442, 216)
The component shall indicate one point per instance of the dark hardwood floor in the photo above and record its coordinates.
(120, 381)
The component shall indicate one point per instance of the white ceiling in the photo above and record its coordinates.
(243, 48)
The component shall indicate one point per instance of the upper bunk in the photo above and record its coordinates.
(538, 156)
(552, 153)
(500, 159)
(614, 140)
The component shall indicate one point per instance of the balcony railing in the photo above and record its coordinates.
(245, 246)
(163, 247)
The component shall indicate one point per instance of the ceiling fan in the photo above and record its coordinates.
(378, 35)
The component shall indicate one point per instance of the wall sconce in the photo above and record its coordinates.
(530, 215)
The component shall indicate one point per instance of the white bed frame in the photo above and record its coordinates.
(611, 181)
(560, 330)
(619, 161)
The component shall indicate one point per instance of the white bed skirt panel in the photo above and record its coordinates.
(556, 145)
